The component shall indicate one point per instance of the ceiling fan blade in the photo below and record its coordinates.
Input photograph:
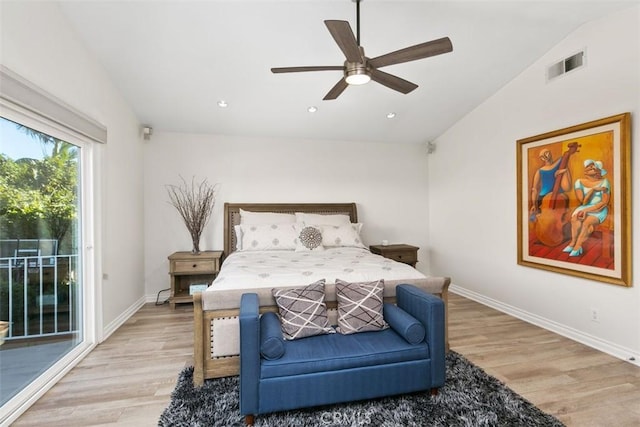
(343, 35)
(419, 51)
(392, 82)
(336, 90)
(300, 69)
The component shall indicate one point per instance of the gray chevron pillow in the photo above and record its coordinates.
(360, 306)
(303, 312)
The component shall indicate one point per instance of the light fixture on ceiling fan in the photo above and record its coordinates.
(358, 69)
(356, 73)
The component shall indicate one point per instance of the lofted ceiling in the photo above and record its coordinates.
(174, 60)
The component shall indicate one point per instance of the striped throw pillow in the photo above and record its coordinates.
(303, 312)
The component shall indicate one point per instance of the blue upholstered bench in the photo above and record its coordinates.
(278, 375)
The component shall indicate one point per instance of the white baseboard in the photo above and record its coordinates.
(119, 321)
(610, 348)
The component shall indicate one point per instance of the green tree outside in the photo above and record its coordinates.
(38, 197)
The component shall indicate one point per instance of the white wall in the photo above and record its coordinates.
(472, 184)
(387, 181)
(38, 44)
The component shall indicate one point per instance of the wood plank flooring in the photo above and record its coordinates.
(577, 384)
(128, 379)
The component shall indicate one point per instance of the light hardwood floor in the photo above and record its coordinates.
(128, 379)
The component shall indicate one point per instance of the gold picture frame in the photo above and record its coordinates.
(574, 200)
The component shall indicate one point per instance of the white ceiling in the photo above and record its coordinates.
(173, 61)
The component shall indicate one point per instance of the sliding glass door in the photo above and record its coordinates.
(42, 284)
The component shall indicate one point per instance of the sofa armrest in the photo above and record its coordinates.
(249, 353)
(429, 310)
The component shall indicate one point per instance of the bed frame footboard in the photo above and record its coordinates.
(206, 366)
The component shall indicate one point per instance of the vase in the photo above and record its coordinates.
(196, 245)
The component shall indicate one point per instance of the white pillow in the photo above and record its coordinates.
(342, 235)
(238, 230)
(309, 238)
(266, 237)
(309, 218)
(248, 217)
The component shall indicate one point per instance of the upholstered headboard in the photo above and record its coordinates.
(232, 214)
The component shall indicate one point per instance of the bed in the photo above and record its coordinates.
(216, 329)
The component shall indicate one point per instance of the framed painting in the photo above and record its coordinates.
(574, 200)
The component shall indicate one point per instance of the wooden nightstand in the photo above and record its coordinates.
(187, 269)
(403, 253)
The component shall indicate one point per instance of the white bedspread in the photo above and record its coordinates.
(266, 269)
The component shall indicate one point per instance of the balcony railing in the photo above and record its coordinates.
(39, 295)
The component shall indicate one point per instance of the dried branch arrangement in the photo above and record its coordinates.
(195, 202)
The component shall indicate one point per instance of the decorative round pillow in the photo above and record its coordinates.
(310, 237)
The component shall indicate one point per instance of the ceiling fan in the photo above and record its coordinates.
(358, 69)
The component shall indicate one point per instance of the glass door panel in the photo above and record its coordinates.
(40, 258)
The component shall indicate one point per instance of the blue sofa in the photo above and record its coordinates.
(278, 375)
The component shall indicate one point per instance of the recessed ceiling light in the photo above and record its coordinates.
(222, 103)
(312, 109)
(391, 115)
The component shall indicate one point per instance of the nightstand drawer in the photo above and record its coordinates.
(194, 267)
(402, 253)
(408, 257)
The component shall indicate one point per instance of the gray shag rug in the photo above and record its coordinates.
(470, 397)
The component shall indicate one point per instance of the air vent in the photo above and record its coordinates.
(568, 64)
